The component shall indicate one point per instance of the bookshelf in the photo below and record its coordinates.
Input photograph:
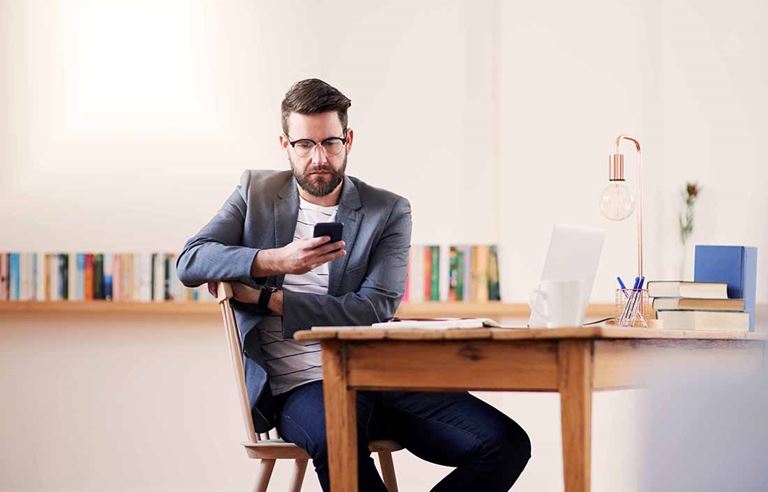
(491, 309)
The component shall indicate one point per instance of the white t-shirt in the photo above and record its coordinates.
(291, 363)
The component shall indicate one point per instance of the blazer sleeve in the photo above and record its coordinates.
(379, 293)
(216, 253)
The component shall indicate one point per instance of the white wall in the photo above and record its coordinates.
(715, 115)
(124, 125)
(104, 120)
(686, 78)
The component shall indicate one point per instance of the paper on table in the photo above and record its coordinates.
(442, 324)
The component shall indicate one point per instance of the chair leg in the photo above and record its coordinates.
(300, 468)
(388, 470)
(265, 473)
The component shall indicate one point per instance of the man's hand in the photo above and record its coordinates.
(241, 292)
(276, 303)
(298, 257)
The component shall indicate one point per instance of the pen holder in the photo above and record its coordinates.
(633, 308)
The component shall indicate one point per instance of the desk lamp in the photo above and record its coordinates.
(617, 202)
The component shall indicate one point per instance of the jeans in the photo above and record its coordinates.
(487, 449)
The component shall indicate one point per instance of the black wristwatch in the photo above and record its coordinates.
(266, 293)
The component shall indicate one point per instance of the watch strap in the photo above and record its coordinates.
(264, 296)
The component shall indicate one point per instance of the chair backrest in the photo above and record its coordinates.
(224, 295)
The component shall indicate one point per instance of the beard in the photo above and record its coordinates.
(319, 185)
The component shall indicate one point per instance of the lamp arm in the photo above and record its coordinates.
(627, 137)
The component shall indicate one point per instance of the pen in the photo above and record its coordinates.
(636, 297)
(623, 287)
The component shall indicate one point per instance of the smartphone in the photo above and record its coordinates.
(333, 229)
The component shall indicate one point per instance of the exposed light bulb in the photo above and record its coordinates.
(616, 201)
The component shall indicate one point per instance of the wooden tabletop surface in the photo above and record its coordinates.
(596, 332)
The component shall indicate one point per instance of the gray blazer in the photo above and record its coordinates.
(364, 286)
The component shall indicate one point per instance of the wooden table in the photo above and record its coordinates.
(571, 361)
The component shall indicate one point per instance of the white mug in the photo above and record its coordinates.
(558, 302)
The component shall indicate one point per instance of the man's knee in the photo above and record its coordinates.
(507, 442)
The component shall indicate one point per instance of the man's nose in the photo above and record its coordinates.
(318, 155)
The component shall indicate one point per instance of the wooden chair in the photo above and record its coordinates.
(270, 447)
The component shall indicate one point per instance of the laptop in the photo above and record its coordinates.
(574, 254)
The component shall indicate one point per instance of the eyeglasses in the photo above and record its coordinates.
(304, 146)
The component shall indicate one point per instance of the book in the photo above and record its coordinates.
(494, 292)
(25, 285)
(438, 323)
(80, 277)
(14, 276)
(72, 280)
(679, 288)
(4, 277)
(667, 303)
(427, 287)
(107, 265)
(167, 290)
(453, 274)
(734, 265)
(48, 283)
(158, 277)
(88, 281)
(126, 280)
(460, 274)
(117, 277)
(480, 259)
(704, 320)
(444, 273)
(434, 271)
(145, 277)
(55, 292)
(40, 292)
(63, 276)
(98, 276)
(138, 277)
(415, 275)
(467, 269)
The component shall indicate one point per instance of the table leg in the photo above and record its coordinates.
(575, 384)
(341, 431)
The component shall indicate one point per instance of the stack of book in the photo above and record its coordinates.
(733, 265)
(453, 273)
(697, 306)
(146, 277)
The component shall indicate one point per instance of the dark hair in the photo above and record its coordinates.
(313, 96)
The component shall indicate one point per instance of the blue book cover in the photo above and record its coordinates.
(108, 279)
(80, 277)
(734, 265)
(14, 276)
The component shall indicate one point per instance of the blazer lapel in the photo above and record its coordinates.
(286, 210)
(348, 214)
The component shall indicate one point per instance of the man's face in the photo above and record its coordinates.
(319, 172)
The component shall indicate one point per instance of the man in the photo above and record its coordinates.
(286, 280)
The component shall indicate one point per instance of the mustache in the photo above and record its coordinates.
(329, 170)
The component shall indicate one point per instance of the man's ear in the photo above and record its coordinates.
(350, 138)
(283, 141)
